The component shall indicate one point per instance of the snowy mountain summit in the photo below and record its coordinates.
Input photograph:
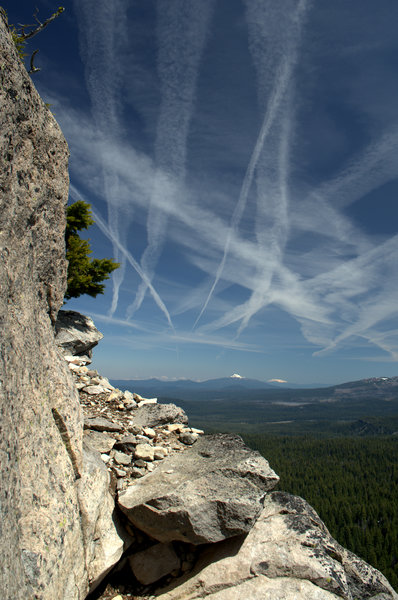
(236, 376)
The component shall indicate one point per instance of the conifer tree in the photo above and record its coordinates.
(85, 275)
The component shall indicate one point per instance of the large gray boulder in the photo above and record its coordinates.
(76, 334)
(288, 555)
(210, 492)
(42, 538)
(104, 538)
(151, 415)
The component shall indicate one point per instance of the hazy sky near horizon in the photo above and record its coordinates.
(241, 160)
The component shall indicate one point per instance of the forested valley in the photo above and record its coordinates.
(351, 482)
(340, 456)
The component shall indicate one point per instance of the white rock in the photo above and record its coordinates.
(120, 472)
(144, 451)
(198, 431)
(115, 395)
(94, 389)
(159, 452)
(105, 458)
(105, 383)
(73, 367)
(175, 427)
(148, 401)
(69, 357)
(149, 432)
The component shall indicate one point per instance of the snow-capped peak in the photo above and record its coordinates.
(236, 376)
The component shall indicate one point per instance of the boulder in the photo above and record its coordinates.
(76, 334)
(104, 538)
(288, 555)
(211, 491)
(144, 452)
(152, 415)
(188, 438)
(155, 562)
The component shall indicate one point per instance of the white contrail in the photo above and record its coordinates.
(103, 226)
(182, 32)
(102, 33)
(271, 240)
(247, 181)
(282, 80)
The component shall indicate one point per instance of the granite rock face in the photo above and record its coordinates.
(42, 541)
(288, 555)
(210, 492)
(76, 334)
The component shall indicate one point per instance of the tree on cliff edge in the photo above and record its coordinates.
(85, 275)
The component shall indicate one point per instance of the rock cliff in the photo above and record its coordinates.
(93, 477)
(45, 506)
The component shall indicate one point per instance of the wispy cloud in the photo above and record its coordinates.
(289, 243)
(102, 36)
(259, 31)
(182, 30)
(167, 338)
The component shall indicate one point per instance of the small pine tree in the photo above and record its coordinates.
(85, 275)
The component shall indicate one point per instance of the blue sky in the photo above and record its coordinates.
(241, 160)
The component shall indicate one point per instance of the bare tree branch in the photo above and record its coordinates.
(26, 36)
(33, 69)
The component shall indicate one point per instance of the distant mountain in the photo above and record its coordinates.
(158, 387)
(360, 408)
(253, 390)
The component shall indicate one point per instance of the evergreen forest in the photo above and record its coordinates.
(351, 482)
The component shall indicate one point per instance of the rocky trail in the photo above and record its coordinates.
(196, 513)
